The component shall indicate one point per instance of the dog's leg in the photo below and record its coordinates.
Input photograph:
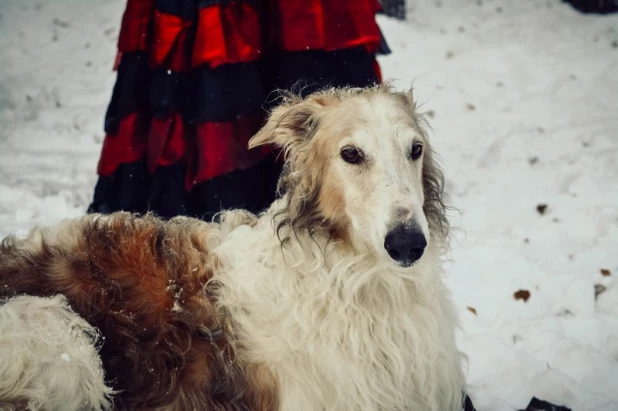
(48, 358)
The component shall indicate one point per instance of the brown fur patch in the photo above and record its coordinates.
(142, 282)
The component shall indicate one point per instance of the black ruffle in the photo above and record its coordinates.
(127, 190)
(133, 189)
(168, 92)
(215, 95)
(253, 189)
(320, 69)
(130, 92)
(594, 6)
(208, 3)
(225, 92)
(185, 9)
(167, 196)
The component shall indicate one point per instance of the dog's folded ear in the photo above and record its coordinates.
(290, 124)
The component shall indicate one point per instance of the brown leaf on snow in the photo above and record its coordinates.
(605, 272)
(471, 309)
(598, 289)
(522, 295)
(541, 208)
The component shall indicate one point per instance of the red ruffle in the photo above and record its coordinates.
(232, 32)
(170, 46)
(134, 32)
(326, 25)
(167, 144)
(227, 33)
(220, 148)
(127, 146)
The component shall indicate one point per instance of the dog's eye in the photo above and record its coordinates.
(417, 150)
(351, 155)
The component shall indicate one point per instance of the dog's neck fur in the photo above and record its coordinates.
(339, 328)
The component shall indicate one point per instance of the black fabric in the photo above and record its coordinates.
(167, 195)
(215, 95)
(383, 48)
(534, 405)
(320, 69)
(185, 9)
(540, 405)
(208, 3)
(127, 190)
(168, 92)
(354, 67)
(223, 93)
(130, 91)
(394, 8)
(252, 189)
(595, 6)
(133, 189)
(467, 404)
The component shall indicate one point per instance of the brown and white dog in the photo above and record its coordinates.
(332, 299)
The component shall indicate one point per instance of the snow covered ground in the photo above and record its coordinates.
(523, 100)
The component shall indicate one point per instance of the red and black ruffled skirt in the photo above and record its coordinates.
(193, 84)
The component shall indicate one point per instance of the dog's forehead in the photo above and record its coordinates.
(378, 107)
(379, 117)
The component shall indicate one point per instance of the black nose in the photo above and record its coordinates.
(405, 245)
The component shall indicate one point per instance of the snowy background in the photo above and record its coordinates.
(523, 100)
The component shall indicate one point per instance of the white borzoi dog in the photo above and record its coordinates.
(330, 300)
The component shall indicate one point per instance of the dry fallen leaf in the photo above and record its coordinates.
(522, 295)
(541, 208)
(605, 272)
(471, 309)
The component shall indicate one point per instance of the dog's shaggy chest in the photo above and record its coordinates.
(345, 333)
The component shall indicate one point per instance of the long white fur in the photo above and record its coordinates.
(352, 334)
(48, 358)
